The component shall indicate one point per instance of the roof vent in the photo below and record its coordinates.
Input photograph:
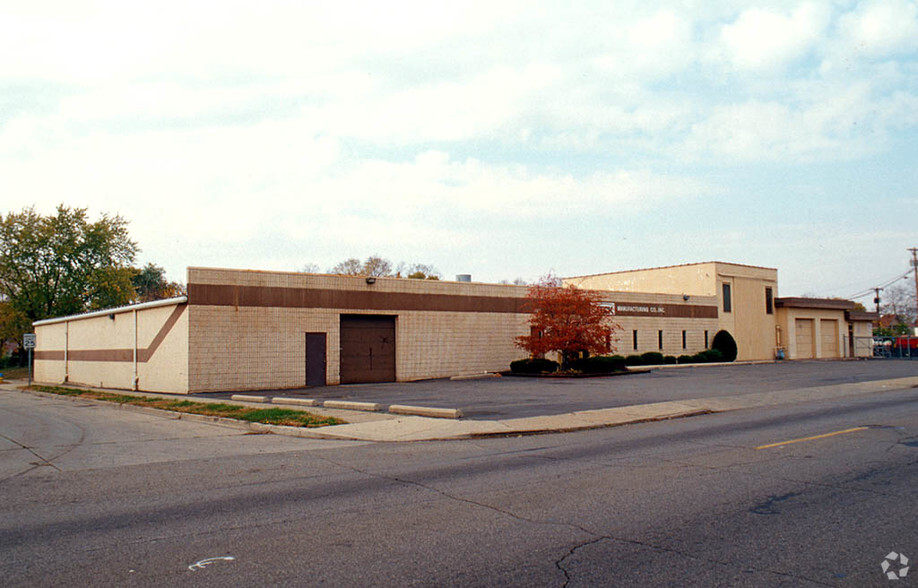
(463, 277)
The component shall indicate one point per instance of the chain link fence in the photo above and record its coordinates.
(904, 347)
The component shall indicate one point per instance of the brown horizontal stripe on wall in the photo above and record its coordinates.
(100, 355)
(632, 309)
(254, 296)
(116, 355)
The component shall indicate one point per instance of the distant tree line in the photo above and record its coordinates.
(898, 311)
(379, 267)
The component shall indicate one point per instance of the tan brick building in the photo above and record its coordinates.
(763, 325)
(250, 330)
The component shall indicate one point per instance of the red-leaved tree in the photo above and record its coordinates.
(567, 320)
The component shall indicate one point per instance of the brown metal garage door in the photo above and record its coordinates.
(367, 349)
(828, 332)
(804, 334)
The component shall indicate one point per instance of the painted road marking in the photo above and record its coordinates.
(206, 562)
(823, 436)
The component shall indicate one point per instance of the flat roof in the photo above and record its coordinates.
(818, 303)
(671, 267)
(116, 310)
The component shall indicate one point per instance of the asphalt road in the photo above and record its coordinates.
(516, 397)
(104, 497)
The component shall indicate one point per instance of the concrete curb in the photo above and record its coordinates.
(414, 428)
(353, 405)
(424, 428)
(676, 366)
(439, 413)
(249, 398)
(473, 377)
(294, 401)
(167, 414)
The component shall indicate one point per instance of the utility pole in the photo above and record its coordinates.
(914, 251)
(876, 299)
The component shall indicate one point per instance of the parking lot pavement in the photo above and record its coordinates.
(513, 397)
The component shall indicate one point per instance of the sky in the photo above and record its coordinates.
(500, 139)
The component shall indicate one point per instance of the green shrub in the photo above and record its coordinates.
(634, 360)
(687, 359)
(669, 360)
(533, 366)
(724, 342)
(600, 364)
(652, 358)
(711, 356)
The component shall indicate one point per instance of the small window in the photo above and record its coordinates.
(769, 301)
(728, 303)
(706, 340)
(634, 339)
(660, 338)
(684, 340)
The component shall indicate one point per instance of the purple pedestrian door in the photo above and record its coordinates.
(315, 359)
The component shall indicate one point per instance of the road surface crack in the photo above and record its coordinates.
(595, 538)
(41, 463)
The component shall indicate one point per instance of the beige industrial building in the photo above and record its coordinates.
(251, 330)
(763, 325)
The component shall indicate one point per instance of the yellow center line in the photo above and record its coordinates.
(823, 436)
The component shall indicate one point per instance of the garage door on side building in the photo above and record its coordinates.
(804, 338)
(367, 349)
(828, 334)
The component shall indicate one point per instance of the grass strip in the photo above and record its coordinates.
(271, 416)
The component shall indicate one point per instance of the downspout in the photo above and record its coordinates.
(134, 380)
(66, 349)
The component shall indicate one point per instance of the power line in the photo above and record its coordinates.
(869, 291)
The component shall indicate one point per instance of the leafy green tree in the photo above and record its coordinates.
(150, 283)
(12, 325)
(64, 264)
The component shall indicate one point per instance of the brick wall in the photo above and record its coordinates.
(248, 328)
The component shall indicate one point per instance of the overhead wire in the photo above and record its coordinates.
(868, 291)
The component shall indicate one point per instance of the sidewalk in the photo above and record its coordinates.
(426, 429)
(391, 428)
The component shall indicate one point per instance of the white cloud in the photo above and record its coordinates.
(761, 39)
(355, 124)
(828, 122)
(881, 27)
(648, 48)
(439, 111)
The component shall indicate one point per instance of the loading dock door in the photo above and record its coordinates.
(828, 332)
(367, 349)
(804, 334)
